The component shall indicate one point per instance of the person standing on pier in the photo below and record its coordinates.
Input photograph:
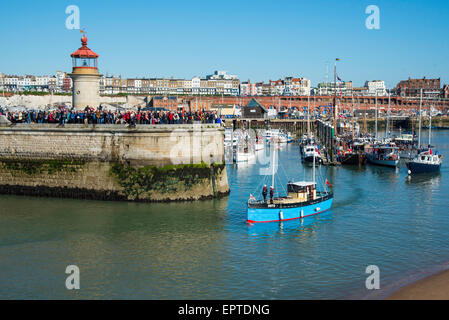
(264, 193)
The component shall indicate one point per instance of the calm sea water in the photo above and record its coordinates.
(205, 250)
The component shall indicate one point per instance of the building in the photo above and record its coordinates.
(248, 89)
(85, 77)
(341, 88)
(217, 84)
(254, 110)
(290, 86)
(67, 84)
(412, 87)
(376, 87)
(221, 75)
(445, 91)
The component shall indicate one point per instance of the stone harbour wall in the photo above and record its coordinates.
(144, 163)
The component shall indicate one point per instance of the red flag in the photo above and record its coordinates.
(328, 183)
(430, 151)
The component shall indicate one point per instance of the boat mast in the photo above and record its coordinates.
(313, 171)
(274, 161)
(419, 126)
(308, 116)
(352, 117)
(335, 96)
(430, 123)
(375, 136)
(388, 116)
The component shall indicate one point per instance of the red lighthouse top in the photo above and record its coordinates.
(84, 51)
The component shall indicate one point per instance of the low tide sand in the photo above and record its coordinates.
(435, 287)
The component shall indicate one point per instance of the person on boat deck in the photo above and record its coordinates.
(264, 193)
(271, 194)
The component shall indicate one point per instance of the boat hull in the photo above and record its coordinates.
(386, 163)
(277, 214)
(309, 159)
(415, 167)
(353, 159)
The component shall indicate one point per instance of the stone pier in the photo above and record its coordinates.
(114, 162)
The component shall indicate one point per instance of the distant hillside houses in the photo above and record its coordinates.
(289, 86)
(58, 83)
(220, 83)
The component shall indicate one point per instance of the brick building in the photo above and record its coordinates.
(412, 87)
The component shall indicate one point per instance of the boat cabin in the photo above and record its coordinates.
(301, 191)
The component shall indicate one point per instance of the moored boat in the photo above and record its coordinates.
(309, 153)
(383, 155)
(425, 162)
(352, 158)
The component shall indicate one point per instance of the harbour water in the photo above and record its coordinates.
(206, 250)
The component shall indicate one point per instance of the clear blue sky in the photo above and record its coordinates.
(259, 40)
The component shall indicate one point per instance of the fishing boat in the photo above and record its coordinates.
(426, 162)
(352, 157)
(271, 133)
(311, 154)
(282, 138)
(383, 155)
(404, 138)
(302, 200)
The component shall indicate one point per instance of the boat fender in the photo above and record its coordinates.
(302, 213)
(317, 209)
(281, 215)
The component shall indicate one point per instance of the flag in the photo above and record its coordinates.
(338, 78)
(251, 197)
(328, 183)
(430, 150)
(316, 149)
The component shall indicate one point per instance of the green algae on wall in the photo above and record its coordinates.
(40, 166)
(169, 179)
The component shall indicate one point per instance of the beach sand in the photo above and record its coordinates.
(435, 287)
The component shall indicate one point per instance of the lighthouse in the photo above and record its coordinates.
(85, 76)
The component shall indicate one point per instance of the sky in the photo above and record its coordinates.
(257, 40)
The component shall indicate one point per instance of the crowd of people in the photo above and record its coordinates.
(63, 115)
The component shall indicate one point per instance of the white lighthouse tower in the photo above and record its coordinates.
(85, 76)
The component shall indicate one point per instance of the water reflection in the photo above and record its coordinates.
(433, 179)
(299, 227)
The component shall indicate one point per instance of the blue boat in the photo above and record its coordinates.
(425, 162)
(383, 155)
(302, 200)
